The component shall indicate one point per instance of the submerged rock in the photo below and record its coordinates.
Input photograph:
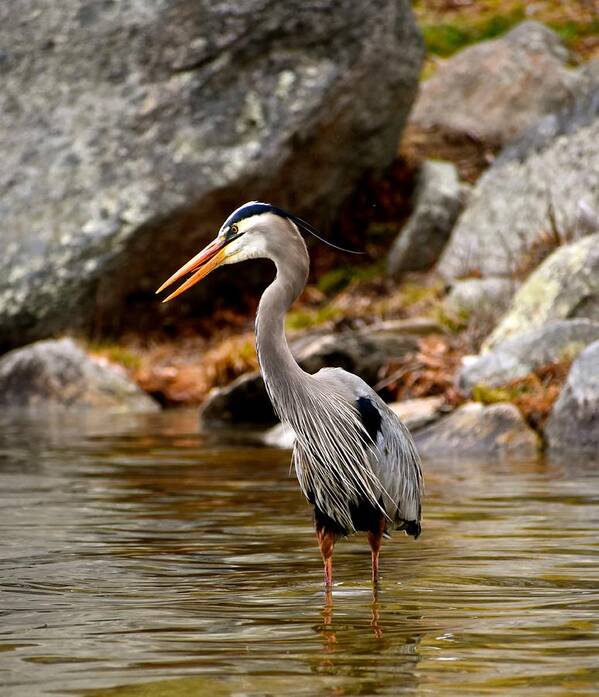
(59, 374)
(438, 202)
(519, 355)
(573, 424)
(475, 430)
(565, 286)
(136, 127)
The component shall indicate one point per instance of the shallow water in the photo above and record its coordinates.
(138, 559)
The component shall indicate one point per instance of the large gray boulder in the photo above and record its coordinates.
(246, 402)
(542, 191)
(519, 355)
(131, 129)
(574, 421)
(474, 430)
(58, 374)
(438, 202)
(490, 93)
(565, 286)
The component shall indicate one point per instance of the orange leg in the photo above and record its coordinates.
(326, 541)
(375, 540)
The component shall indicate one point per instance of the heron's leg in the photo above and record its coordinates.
(326, 541)
(375, 540)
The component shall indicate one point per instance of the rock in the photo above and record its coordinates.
(244, 402)
(362, 352)
(565, 286)
(489, 93)
(579, 114)
(520, 208)
(416, 413)
(475, 296)
(59, 374)
(413, 326)
(475, 430)
(135, 128)
(573, 424)
(438, 202)
(519, 355)
(279, 436)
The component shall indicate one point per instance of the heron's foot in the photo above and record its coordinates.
(375, 540)
(326, 542)
(375, 569)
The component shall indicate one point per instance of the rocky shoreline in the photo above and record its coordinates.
(481, 330)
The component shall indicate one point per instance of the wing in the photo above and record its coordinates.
(362, 453)
(394, 459)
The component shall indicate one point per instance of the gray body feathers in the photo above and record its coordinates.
(351, 450)
(339, 465)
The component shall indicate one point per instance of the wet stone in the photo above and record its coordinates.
(58, 374)
(573, 425)
(474, 430)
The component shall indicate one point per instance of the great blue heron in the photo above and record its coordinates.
(355, 461)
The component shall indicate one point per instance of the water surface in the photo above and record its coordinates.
(137, 558)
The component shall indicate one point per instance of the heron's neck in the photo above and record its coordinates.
(282, 375)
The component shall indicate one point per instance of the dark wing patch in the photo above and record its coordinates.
(370, 415)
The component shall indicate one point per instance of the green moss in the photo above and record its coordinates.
(571, 31)
(490, 395)
(333, 281)
(571, 351)
(449, 30)
(306, 319)
(453, 321)
(247, 350)
(337, 279)
(116, 354)
(445, 38)
(412, 293)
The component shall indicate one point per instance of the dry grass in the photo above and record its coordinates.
(427, 372)
(185, 370)
(546, 242)
(471, 156)
(534, 395)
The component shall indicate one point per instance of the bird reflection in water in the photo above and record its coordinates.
(326, 629)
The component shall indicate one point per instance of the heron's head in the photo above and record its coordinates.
(253, 231)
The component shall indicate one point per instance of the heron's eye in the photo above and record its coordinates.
(234, 229)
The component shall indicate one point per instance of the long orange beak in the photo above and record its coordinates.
(203, 263)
